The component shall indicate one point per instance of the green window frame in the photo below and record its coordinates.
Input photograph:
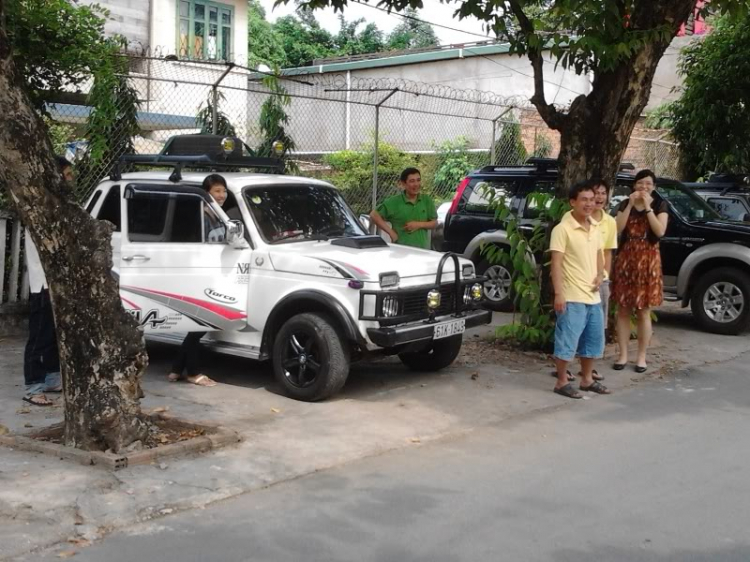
(204, 30)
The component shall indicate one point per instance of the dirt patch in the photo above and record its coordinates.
(483, 352)
(164, 431)
(170, 437)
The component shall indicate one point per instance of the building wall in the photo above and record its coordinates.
(164, 31)
(128, 18)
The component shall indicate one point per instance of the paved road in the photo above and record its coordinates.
(658, 473)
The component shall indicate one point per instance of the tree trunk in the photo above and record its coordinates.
(102, 355)
(595, 132)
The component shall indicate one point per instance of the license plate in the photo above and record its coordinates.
(448, 329)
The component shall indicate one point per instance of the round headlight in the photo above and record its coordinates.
(227, 145)
(477, 291)
(278, 148)
(390, 307)
(433, 299)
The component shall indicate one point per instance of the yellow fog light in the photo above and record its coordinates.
(278, 148)
(227, 145)
(433, 299)
(477, 291)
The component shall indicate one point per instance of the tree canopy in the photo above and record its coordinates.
(297, 40)
(56, 44)
(711, 119)
(412, 33)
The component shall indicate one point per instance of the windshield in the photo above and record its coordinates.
(301, 212)
(687, 204)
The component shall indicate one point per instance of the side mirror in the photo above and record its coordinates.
(746, 217)
(367, 223)
(236, 234)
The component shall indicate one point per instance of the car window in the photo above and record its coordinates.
(299, 212)
(165, 217)
(620, 192)
(94, 200)
(485, 190)
(531, 209)
(686, 203)
(730, 208)
(110, 209)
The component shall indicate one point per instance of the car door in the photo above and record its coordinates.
(474, 214)
(171, 277)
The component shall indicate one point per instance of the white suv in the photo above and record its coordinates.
(298, 281)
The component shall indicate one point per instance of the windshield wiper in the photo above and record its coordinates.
(332, 231)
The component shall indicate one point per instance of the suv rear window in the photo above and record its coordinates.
(480, 191)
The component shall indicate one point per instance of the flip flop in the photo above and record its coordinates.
(594, 373)
(202, 380)
(596, 387)
(34, 400)
(569, 392)
(571, 378)
(174, 377)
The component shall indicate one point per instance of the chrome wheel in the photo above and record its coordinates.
(723, 302)
(497, 286)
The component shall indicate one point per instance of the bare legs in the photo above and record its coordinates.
(645, 331)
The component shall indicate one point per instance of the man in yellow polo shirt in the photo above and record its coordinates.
(608, 230)
(411, 213)
(577, 273)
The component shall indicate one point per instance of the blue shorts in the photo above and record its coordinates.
(579, 330)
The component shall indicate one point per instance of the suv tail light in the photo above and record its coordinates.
(459, 193)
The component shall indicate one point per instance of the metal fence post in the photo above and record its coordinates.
(215, 99)
(494, 128)
(375, 160)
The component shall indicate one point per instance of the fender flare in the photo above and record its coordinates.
(709, 251)
(323, 300)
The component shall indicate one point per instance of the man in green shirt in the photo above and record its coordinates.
(410, 213)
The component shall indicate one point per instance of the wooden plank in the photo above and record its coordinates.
(3, 233)
(15, 259)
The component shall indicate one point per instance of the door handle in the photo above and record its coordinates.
(136, 257)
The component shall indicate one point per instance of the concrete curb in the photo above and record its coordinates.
(215, 438)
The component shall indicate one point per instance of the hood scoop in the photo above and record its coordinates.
(360, 242)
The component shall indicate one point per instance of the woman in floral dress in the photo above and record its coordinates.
(637, 281)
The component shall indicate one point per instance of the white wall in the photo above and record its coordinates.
(164, 31)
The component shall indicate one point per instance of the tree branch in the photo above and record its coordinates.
(547, 111)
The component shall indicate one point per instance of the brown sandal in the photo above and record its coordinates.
(38, 400)
(202, 380)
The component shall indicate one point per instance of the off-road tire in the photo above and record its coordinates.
(721, 278)
(438, 355)
(328, 349)
(504, 304)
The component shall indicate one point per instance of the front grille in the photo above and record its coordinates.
(416, 302)
(412, 303)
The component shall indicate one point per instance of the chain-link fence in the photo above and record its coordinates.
(358, 133)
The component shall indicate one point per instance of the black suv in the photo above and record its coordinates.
(705, 259)
(728, 194)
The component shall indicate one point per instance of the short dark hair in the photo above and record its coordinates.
(584, 185)
(645, 173)
(62, 163)
(596, 182)
(408, 172)
(213, 179)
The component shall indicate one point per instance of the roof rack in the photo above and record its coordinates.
(274, 165)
